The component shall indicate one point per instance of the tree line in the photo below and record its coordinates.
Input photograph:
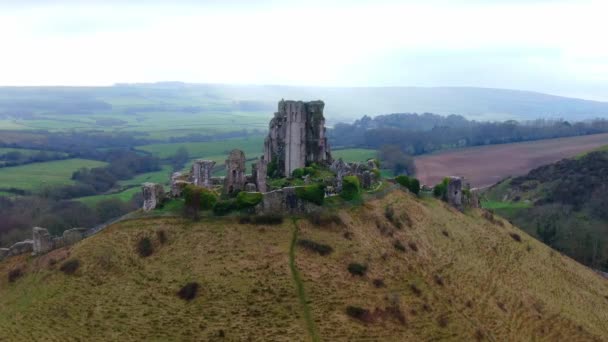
(419, 134)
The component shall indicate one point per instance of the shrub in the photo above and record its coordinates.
(312, 193)
(323, 219)
(304, 171)
(14, 274)
(378, 283)
(248, 199)
(413, 246)
(357, 269)
(144, 247)
(358, 313)
(415, 290)
(377, 174)
(189, 291)
(272, 170)
(515, 237)
(271, 219)
(412, 184)
(351, 189)
(442, 321)
(399, 246)
(224, 207)
(440, 190)
(162, 236)
(403, 181)
(199, 198)
(315, 246)
(70, 266)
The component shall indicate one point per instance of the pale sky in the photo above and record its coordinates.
(556, 47)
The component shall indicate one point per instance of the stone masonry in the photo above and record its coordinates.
(454, 192)
(235, 172)
(42, 241)
(296, 136)
(153, 194)
(201, 173)
(258, 173)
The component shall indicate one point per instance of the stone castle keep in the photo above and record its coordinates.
(296, 136)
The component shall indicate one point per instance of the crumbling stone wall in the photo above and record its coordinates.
(258, 173)
(42, 240)
(284, 201)
(200, 174)
(235, 172)
(153, 194)
(454, 192)
(296, 136)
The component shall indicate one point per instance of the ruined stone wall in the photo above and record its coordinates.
(153, 194)
(454, 192)
(200, 174)
(296, 136)
(285, 201)
(258, 173)
(235, 172)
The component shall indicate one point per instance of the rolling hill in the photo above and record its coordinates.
(117, 106)
(419, 270)
(562, 203)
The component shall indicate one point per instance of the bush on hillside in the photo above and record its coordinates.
(70, 266)
(248, 199)
(324, 218)
(359, 313)
(303, 171)
(14, 274)
(351, 189)
(315, 246)
(144, 247)
(222, 208)
(312, 193)
(269, 219)
(199, 198)
(357, 269)
(440, 190)
(189, 291)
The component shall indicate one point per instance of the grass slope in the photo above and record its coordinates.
(460, 277)
(38, 175)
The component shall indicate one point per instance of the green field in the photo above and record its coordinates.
(4, 150)
(38, 175)
(213, 149)
(354, 154)
(161, 176)
(124, 196)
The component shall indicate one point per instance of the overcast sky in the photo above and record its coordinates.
(557, 47)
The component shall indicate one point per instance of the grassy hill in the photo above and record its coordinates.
(432, 273)
(563, 204)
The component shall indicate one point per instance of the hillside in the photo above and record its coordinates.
(433, 273)
(119, 105)
(563, 203)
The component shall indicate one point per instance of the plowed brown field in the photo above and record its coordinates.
(485, 165)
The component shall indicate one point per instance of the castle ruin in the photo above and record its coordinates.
(296, 137)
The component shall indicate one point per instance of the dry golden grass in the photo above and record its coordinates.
(468, 280)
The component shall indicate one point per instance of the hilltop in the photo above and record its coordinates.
(563, 203)
(426, 272)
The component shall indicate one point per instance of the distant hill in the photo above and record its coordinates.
(342, 104)
(419, 271)
(564, 204)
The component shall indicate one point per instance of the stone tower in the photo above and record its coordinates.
(296, 136)
(235, 171)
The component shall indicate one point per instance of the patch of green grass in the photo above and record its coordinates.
(505, 209)
(354, 154)
(599, 149)
(38, 175)
(251, 146)
(163, 176)
(124, 196)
